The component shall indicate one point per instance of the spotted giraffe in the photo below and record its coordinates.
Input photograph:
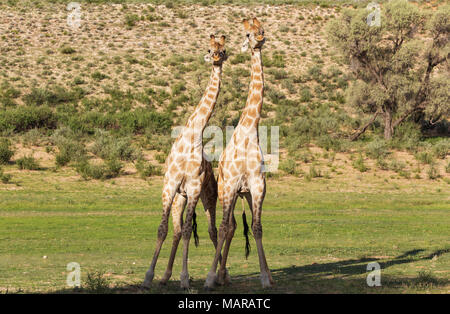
(241, 167)
(189, 175)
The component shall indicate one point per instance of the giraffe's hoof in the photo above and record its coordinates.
(266, 281)
(146, 285)
(223, 277)
(210, 281)
(148, 280)
(184, 281)
(227, 278)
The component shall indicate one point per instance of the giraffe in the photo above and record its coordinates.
(189, 175)
(241, 168)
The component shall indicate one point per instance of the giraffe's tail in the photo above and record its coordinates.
(246, 230)
(194, 229)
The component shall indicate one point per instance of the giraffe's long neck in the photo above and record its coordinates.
(203, 111)
(252, 111)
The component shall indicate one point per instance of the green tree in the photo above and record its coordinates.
(401, 66)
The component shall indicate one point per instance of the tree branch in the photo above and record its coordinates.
(406, 114)
(364, 128)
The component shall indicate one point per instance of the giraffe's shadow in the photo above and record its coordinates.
(332, 277)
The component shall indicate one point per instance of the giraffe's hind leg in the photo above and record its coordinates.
(193, 195)
(178, 206)
(209, 199)
(223, 276)
(257, 197)
(208, 195)
(169, 192)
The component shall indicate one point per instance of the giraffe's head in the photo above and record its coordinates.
(255, 35)
(216, 52)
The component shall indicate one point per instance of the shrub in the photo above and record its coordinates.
(377, 149)
(425, 157)
(5, 178)
(67, 50)
(441, 149)
(27, 117)
(382, 164)
(28, 163)
(70, 149)
(5, 151)
(305, 95)
(397, 166)
(96, 283)
(161, 158)
(54, 96)
(359, 164)
(110, 169)
(146, 169)
(32, 137)
(98, 76)
(108, 147)
(288, 166)
(240, 58)
(433, 173)
(313, 173)
(131, 19)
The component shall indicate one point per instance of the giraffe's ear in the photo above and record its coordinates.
(212, 40)
(246, 25)
(256, 22)
(222, 40)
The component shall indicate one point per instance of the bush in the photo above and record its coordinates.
(28, 163)
(110, 169)
(146, 169)
(313, 173)
(5, 151)
(54, 96)
(5, 178)
(24, 118)
(240, 58)
(96, 283)
(359, 164)
(67, 50)
(441, 149)
(305, 95)
(382, 164)
(70, 149)
(161, 158)
(131, 19)
(377, 149)
(108, 147)
(397, 166)
(288, 166)
(433, 173)
(425, 157)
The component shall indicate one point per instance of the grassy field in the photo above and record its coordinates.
(99, 101)
(319, 236)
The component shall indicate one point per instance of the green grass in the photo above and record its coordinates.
(319, 236)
